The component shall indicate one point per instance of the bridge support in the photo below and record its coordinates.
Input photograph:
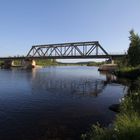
(110, 66)
(7, 64)
(29, 63)
(112, 61)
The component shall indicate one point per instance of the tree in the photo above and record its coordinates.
(134, 49)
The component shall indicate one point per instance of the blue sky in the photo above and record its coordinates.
(24, 23)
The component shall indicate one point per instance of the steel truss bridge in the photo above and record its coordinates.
(77, 50)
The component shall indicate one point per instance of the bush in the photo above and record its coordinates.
(128, 72)
(125, 127)
(134, 49)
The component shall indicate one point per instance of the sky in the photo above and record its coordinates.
(24, 23)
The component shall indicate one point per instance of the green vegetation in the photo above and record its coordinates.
(70, 64)
(128, 72)
(126, 126)
(48, 62)
(129, 67)
(127, 123)
(95, 63)
(53, 62)
(122, 62)
(91, 63)
(17, 62)
(41, 62)
(1, 62)
(134, 49)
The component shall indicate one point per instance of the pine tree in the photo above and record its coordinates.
(134, 49)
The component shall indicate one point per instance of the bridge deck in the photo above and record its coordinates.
(65, 57)
(75, 50)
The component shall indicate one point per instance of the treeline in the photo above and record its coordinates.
(46, 62)
(129, 66)
(41, 62)
(95, 63)
(132, 58)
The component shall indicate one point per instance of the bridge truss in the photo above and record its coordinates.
(75, 50)
(69, 50)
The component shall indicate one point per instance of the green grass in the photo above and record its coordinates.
(1, 62)
(48, 62)
(41, 62)
(95, 63)
(126, 69)
(128, 72)
(126, 125)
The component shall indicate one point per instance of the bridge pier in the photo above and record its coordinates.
(29, 63)
(7, 64)
(110, 66)
(26, 63)
(112, 61)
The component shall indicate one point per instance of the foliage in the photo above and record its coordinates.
(1, 62)
(134, 49)
(41, 62)
(127, 123)
(45, 62)
(98, 133)
(95, 63)
(17, 62)
(121, 62)
(128, 72)
(133, 53)
(126, 69)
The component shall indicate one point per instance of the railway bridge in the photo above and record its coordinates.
(74, 50)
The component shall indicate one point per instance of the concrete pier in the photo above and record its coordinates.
(108, 67)
(29, 63)
(26, 64)
(7, 64)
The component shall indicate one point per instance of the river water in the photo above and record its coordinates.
(55, 103)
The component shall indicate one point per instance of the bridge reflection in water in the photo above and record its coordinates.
(86, 87)
(55, 102)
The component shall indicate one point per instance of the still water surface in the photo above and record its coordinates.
(55, 102)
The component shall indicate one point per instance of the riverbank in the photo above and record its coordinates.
(127, 122)
(128, 72)
(19, 64)
(125, 127)
(108, 67)
(53, 62)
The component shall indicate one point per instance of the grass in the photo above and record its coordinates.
(128, 72)
(1, 62)
(126, 125)
(49, 62)
(95, 63)
(126, 69)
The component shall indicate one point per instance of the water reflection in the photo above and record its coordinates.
(80, 86)
(90, 87)
(55, 102)
(109, 77)
(87, 87)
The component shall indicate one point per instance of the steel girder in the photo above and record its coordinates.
(77, 49)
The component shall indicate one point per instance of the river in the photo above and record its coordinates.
(55, 103)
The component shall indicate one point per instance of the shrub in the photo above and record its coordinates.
(125, 127)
